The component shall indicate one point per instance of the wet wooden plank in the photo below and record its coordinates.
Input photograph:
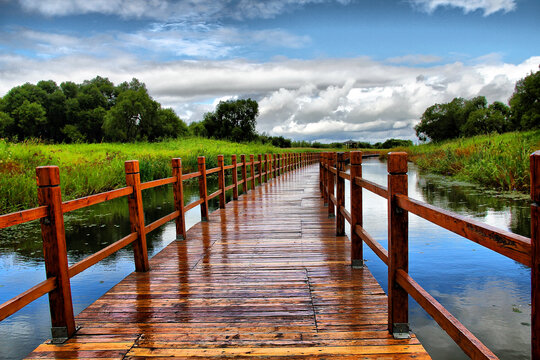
(264, 278)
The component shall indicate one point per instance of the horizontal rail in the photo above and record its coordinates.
(214, 170)
(229, 167)
(214, 194)
(15, 304)
(193, 204)
(86, 201)
(456, 330)
(227, 188)
(374, 245)
(514, 246)
(371, 186)
(344, 175)
(151, 227)
(346, 214)
(23, 216)
(191, 175)
(333, 199)
(156, 183)
(240, 181)
(100, 255)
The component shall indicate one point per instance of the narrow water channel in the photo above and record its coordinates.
(487, 292)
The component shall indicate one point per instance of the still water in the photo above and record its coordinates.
(487, 292)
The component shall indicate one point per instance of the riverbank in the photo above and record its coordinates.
(87, 169)
(499, 161)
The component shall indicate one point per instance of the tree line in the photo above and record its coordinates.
(92, 111)
(468, 117)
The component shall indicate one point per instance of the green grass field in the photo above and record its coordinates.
(87, 169)
(495, 161)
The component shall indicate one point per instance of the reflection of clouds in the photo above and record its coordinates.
(487, 311)
(476, 285)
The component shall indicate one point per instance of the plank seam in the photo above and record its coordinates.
(311, 300)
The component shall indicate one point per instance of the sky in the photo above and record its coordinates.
(321, 70)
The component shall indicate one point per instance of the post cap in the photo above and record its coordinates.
(220, 157)
(397, 163)
(201, 160)
(176, 162)
(341, 157)
(131, 166)
(48, 175)
(356, 158)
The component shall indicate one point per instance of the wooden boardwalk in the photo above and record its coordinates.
(265, 277)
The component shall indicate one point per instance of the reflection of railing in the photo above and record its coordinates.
(400, 283)
(52, 208)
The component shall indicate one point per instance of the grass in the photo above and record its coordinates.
(499, 161)
(87, 169)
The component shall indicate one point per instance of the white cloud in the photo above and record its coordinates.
(323, 99)
(487, 6)
(170, 9)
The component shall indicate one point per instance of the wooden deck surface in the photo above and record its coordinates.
(267, 277)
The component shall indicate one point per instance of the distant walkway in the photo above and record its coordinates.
(265, 277)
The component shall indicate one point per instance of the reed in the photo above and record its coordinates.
(87, 169)
(499, 161)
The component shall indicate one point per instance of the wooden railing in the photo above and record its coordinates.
(400, 284)
(52, 208)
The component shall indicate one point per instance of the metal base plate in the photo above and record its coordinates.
(60, 334)
(401, 331)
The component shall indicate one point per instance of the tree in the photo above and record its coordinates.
(132, 118)
(441, 121)
(525, 103)
(484, 121)
(170, 125)
(233, 120)
(197, 128)
(30, 119)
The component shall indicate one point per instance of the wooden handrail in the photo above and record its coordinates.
(15, 304)
(86, 201)
(21, 217)
(156, 183)
(519, 248)
(511, 245)
(53, 208)
(473, 347)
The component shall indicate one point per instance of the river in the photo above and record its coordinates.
(487, 292)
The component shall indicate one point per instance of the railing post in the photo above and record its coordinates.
(274, 165)
(535, 255)
(398, 247)
(221, 181)
(340, 195)
(55, 253)
(324, 158)
(136, 215)
(234, 177)
(331, 164)
(260, 159)
(178, 190)
(265, 167)
(357, 256)
(252, 160)
(244, 173)
(203, 191)
(321, 174)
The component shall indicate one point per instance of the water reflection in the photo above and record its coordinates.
(489, 293)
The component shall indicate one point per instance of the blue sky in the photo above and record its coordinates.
(320, 69)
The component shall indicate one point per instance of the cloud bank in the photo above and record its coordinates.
(166, 10)
(322, 99)
(487, 6)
